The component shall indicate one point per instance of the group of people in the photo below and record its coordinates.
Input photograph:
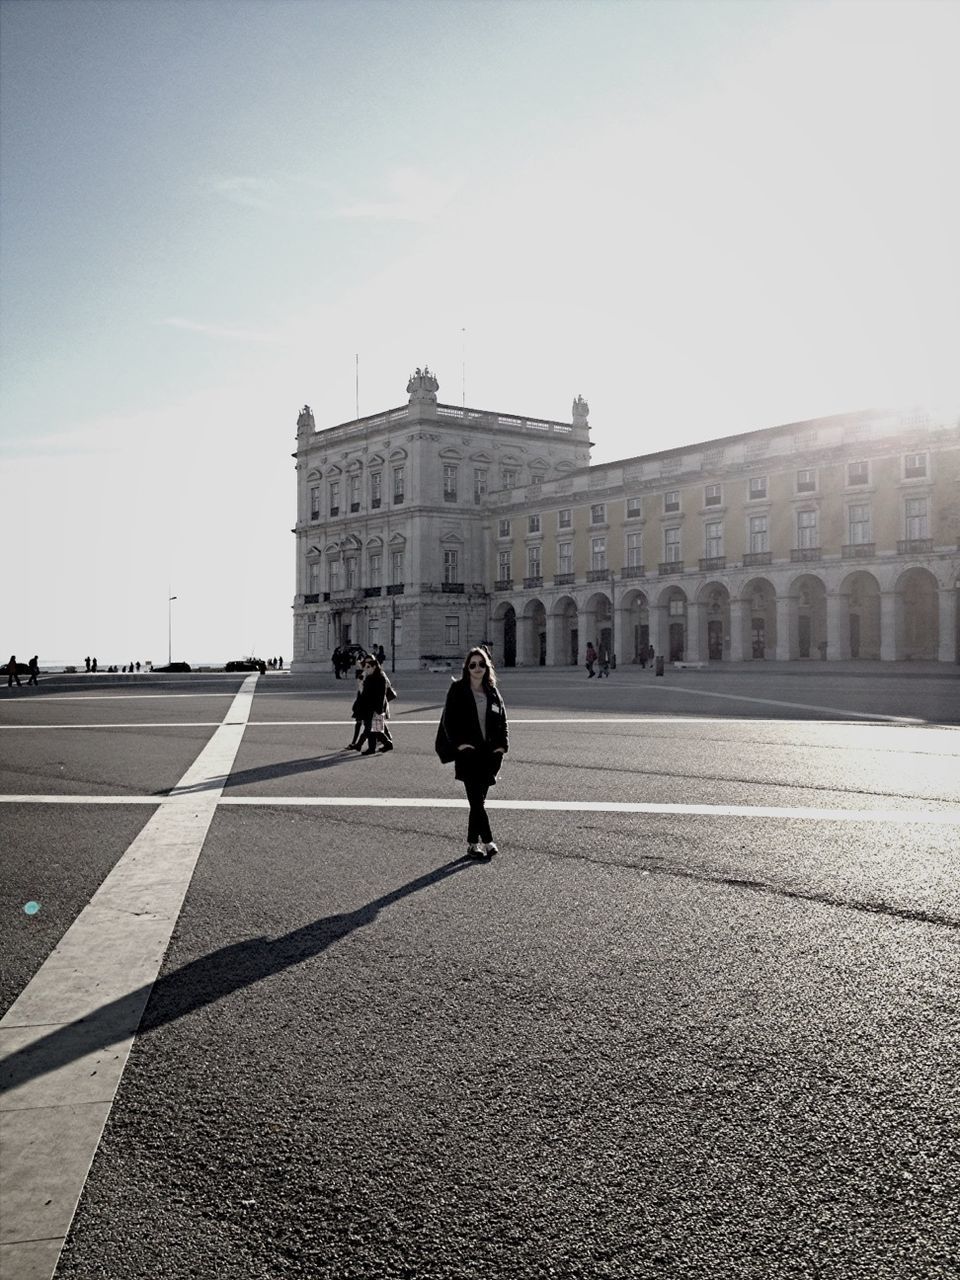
(472, 733)
(13, 671)
(343, 658)
(595, 658)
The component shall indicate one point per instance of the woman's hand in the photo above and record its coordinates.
(498, 751)
(465, 746)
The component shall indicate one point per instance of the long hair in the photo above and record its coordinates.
(371, 658)
(489, 676)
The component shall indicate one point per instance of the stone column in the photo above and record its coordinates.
(786, 640)
(622, 635)
(738, 614)
(693, 648)
(948, 625)
(838, 626)
(658, 629)
(888, 626)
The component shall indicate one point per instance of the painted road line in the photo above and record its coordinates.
(943, 817)
(165, 724)
(797, 706)
(60, 1067)
(129, 697)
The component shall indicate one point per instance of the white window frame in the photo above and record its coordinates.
(671, 502)
(564, 557)
(451, 481)
(758, 534)
(916, 518)
(533, 524)
(713, 495)
(671, 545)
(504, 566)
(858, 530)
(451, 629)
(634, 548)
(598, 553)
(451, 564)
(534, 562)
(757, 488)
(713, 541)
(503, 529)
(634, 508)
(565, 518)
(808, 529)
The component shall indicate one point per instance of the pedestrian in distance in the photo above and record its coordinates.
(604, 663)
(87, 661)
(12, 672)
(473, 735)
(373, 704)
(34, 665)
(335, 659)
(381, 654)
(93, 665)
(591, 656)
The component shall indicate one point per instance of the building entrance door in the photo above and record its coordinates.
(510, 639)
(574, 646)
(676, 641)
(543, 649)
(803, 637)
(854, 635)
(757, 627)
(715, 639)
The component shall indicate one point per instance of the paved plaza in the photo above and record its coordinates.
(698, 1019)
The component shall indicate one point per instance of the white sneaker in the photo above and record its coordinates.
(490, 849)
(475, 850)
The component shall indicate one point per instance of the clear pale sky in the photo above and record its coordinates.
(704, 217)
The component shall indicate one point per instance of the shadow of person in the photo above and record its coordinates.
(201, 982)
(263, 773)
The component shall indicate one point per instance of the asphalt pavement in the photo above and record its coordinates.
(697, 1019)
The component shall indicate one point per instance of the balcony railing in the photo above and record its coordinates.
(374, 503)
(709, 563)
(503, 584)
(633, 571)
(371, 591)
(564, 579)
(312, 598)
(334, 511)
(669, 566)
(914, 546)
(860, 551)
(598, 575)
(326, 597)
(532, 583)
(395, 589)
(354, 506)
(757, 557)
(806, 553)
(452, 588)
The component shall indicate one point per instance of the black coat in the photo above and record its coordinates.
(373, 695)
(459, 726)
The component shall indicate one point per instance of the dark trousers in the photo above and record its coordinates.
(10, 679)
(369, 736)
(478, 824)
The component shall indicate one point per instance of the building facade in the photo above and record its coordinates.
(431, 527)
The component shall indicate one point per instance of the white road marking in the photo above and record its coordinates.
(161, 724)
(51, 1124)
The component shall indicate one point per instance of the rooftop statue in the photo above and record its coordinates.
(305, 422)
(580, 409)
(423, 386)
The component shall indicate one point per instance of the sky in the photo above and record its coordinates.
(705, 218)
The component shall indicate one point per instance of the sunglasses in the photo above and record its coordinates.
(477, 666)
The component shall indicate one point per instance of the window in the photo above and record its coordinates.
(334, 497)
(397, 485)
(533, 562)
(807, 529)
(564, 518)
(449, 483)
(564, 557)
(806, 481)
(509, 477)
(598, 513)
(373, 631)
(311, 635)
(313, 571)
(503, 529)
(712, 496)
(916, 518)
(758, 487)
(671, 546)
(671, 500)
(503, 566)
(451, 566)
(376, 565)
(315, 502)
(352, 579)
(451, 629)
(479, 483)
(713, 539)
(634, 549)
(598, 553)
(677, 607)
(335, 571)
(858, 473)
(634, 508)
(376, 488)
(533, 524)
(914, 466)
(859, 518)
(396, 568)
(355, 492)
(758, 535)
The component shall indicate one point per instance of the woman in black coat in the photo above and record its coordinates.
(474, 724)
(373, 702)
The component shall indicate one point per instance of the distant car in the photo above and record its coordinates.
(177, 667)
(247, 664)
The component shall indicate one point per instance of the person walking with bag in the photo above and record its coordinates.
(373, 704)
(473, 735)
(357, 712)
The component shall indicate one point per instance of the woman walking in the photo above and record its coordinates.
(357, 712)
(373, 705)
(474, 723)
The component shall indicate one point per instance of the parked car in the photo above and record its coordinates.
(178, 667)
(247, 664)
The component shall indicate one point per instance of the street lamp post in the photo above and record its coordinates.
(170, 630)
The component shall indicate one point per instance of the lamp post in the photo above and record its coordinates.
(170, 630)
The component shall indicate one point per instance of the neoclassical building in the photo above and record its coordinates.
(430, 527)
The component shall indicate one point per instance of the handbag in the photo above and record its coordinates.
(391, 692)
(376, 723)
